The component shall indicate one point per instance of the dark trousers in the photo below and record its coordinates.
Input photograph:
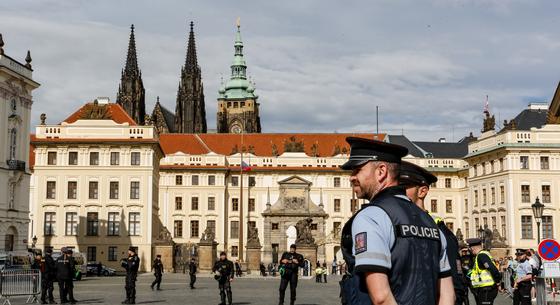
(522, 295)
(317, 278)
(284, 281)
(130, 287)
(193, 279)
(66, 290)
(485, 295)
(157, 281)
(460, 297)
(324, 277)
(47, 288)
(225, 289)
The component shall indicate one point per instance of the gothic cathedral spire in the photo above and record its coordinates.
(190, 111)
(131, 92)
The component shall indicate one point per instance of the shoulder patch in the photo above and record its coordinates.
(360, 242)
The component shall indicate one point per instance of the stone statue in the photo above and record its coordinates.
(208, 235)
(292, 145)
(314, 150)
(275, 150)
(337, 150)
(147, 120)
(489, 122)
(499, 241)
(459, 235)
(164, 235)
(488, 237)
(304, 236)
(95, 112)
(43, 118)
(253, 236)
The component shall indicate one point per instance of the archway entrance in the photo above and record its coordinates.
(10, 238)
(291, 236)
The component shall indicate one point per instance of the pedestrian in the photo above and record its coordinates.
(416, 181)
(158, 272)
(64, 275)
(131, 264)
(238, 271)
(485, 277)
(325, 271)
(380, 242)
(192, 272)
(523, 276)
(334, 266)
(318, 274)
(39, 265)
(290, 262)
(224, 273)
(262, 269)
(49, 275)
(99, 268)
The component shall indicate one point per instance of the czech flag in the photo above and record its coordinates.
(245, 167)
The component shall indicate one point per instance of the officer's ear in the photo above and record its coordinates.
(423, 191)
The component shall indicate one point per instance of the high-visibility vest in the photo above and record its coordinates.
(481, 277)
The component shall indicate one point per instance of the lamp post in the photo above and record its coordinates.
(538, 209)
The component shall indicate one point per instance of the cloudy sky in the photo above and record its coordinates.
(319, 65)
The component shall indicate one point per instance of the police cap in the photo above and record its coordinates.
(364, 150)
(520, 251)
(223, 253)
(412, 174)
(474, 241)
(132, 249)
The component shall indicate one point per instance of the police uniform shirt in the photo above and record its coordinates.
(374, 237)
(523, 269)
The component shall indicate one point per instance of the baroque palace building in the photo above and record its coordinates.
(16, 87)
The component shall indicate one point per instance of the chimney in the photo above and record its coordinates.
(102, 100)
(441, 140)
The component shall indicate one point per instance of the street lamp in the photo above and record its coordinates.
(538, 209)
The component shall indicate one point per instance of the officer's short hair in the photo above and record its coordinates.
(392, 168)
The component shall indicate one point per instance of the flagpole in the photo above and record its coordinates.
(240, 251)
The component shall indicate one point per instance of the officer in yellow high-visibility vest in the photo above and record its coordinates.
(485, 277)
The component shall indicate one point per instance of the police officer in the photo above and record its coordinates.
(223, 270)
(485, 276)
(64, 274)
(131, 264)
(523, 275)
(49, 276)
(392, 248)
(158, 272)
(290, 262)
(416, 180)
(192, 272)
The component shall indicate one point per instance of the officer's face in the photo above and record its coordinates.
(417, 193)
(367, 180)
(222, 257)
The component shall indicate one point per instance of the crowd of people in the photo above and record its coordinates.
(61, 270)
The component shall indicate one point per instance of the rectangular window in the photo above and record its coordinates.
(525, 194)
(51, 158)
(234, 180)
(134, 190)
(313, 226)
(51, 189)
(336, 227)
(547, 229)
(493, 223)
(178, 228)
(112, 254)
(178, 180)
(211, 226)
(526, 227)
(234, 229)
(475, 195)
(73, 158)
(72, 189)
(194, 229)
(93, 190)
(92, 224)
(71, 224)
(211, 203)
(178, 203)
(211, 180)
(251, 206)
(114, 190)
(354, 206)
(113, 224)
(336, 181)
(546, 193)
(544, 163)
(135, 158)
(194, 203)
(467, 229)
(134, 223)
(337, 205)
(115, 158)
(493, 195)
(50, 223)
(434, 206)
(484, 199)
(91, 254)
(93, 158)
(466, 205)
(274, 226)
(524, 162)
(503, 224)
(502, 194)
(448, 183)
(234, 204)
(234, 251)
(476, 224)
(252, 181)
(502, 164)
(448, 206)
(194, 180)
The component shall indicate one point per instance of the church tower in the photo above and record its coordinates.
(131, 92)
(190, 112)
(238, 110)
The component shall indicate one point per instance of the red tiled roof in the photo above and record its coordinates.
(261, 143)
(115, 112)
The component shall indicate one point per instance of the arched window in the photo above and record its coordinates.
(13, 143)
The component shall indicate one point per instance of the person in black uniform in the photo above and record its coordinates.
(49, 275)
(131, 264)
(192, 272)
(416, 180)
(485, 276)
(64, 274)
(158, 272)
(290, 262)
(224, 274)
(393, 250)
